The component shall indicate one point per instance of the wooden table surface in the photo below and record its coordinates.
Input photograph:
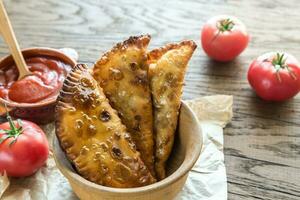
(262, 144)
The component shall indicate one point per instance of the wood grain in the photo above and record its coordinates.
(262, 143)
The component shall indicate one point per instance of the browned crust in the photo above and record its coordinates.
(141, 42)
(69, 82)
(137, 44)
(159, 52)
(63, 100)
(167, 131)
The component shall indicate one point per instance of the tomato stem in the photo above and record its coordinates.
(225, 25)
(13, 132)
(280, 63)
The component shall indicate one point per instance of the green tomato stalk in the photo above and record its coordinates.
(280, 63)
(225, 25)
(13, 132)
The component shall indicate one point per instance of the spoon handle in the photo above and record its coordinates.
(10, 39)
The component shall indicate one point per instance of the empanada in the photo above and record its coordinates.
(167, 66)
(93, 137)
(123, 75)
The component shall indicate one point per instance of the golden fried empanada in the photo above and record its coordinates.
(93, 137)
(123, 75)
(167, 69)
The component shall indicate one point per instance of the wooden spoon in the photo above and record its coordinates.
(10, 39)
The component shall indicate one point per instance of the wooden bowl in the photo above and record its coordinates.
(187, 148)
(39, 112)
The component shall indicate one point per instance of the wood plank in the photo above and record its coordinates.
(262, 143)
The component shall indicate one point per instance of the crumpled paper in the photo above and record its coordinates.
(207, 179)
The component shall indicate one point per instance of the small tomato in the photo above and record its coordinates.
(275, 76)
(23, 148)
(224, 37)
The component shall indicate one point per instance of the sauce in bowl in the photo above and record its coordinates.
(46, 81)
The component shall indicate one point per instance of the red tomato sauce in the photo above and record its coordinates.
(46, 81)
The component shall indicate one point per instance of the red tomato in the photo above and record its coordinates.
(23, 148)
(224, 37)
(275, 76)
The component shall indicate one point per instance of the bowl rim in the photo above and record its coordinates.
(42, 51)
(174, 177)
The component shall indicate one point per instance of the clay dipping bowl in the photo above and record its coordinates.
(186, 150)
(39, 112)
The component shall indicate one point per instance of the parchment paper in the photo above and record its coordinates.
(207, 180)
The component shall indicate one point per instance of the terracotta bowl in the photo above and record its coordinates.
(40, 112)
(187, 148)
